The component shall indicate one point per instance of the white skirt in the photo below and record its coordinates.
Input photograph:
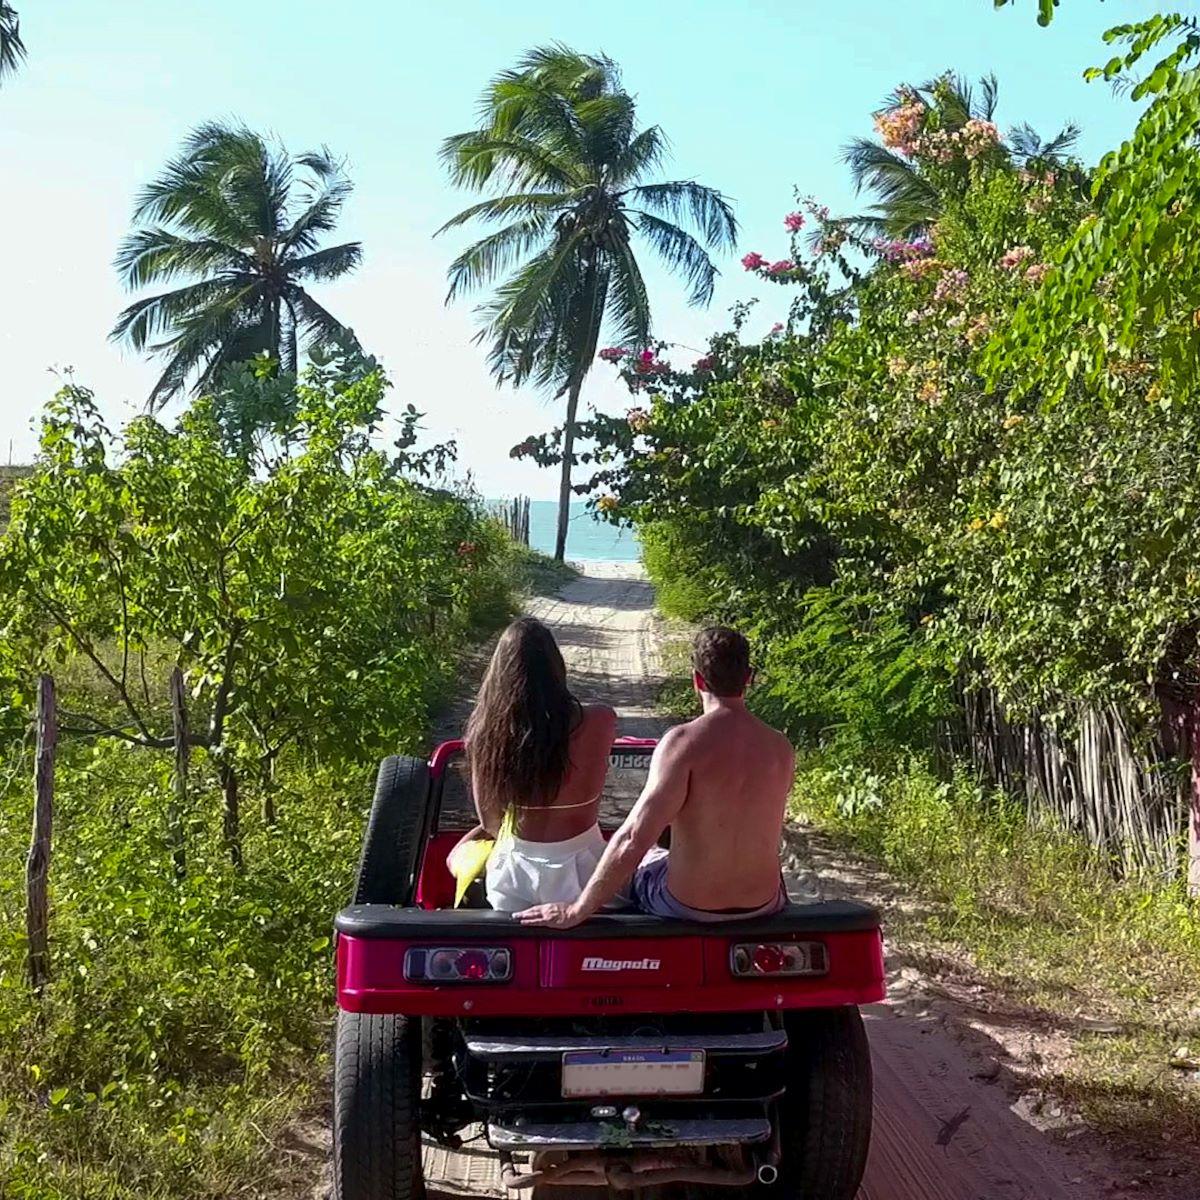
(521, 873)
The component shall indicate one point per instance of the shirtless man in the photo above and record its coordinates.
(721, 783)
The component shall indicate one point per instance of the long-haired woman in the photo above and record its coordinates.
(537, 760)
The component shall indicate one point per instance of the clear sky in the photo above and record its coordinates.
(756, 97)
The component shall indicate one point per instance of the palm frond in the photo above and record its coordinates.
(493, 255)
(989, 87)
(628, 301)
(324, 198)
(222, 213)
(473, 158)
(644, 152)
(1028, 146)
(529, 205)
(153, 255)
(681, 253)
(331, 263)
(12, 48)
(706, 208)
(146, 319)
(318, 323)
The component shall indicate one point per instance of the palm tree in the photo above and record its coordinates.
(12, 49)
(231, 216)
(908, 200)
(559, 149)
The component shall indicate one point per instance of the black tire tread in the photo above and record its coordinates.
(392, 842)
(826, 1112)
(376, 1097)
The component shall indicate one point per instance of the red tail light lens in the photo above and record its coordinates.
(757, 960)
(458, 964)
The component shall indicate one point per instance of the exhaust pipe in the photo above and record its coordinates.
(767, 1174)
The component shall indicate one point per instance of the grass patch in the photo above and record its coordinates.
(1048, 926)
(539, 574)
(179, 1033)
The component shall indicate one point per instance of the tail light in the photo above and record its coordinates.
(458, 964)
(775, 959)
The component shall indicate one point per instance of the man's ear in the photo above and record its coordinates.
(698, 682)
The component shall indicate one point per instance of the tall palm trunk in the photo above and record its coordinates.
(596, 286)
(564, 486)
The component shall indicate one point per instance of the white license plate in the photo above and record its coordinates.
(633, 1073)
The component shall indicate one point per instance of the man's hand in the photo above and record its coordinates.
(557, 916)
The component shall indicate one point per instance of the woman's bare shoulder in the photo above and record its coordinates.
(599, 716)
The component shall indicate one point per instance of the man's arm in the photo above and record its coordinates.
(661, 799)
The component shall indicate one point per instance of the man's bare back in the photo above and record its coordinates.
(725, 838)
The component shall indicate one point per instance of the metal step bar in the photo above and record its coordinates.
(493, 1048)
(595, 1135)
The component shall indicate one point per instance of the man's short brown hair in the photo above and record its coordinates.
(721, 656)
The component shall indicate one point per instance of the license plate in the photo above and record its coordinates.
(633, 1073)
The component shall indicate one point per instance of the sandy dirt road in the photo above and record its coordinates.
(952, 1121)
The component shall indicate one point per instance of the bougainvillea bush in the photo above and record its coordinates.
(867, 469)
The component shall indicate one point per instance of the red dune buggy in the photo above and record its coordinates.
(630, 1052)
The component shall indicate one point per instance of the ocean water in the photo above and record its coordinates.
(588, 540)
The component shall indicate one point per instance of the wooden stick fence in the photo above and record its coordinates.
(1129, 796)
(514, 516)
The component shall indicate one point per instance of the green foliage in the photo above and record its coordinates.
(1045, 9)
(313, 596)
(868, 463)
(182, 1013)
(1126, 291)
(1041, 922)
(230, 215)
(318, 597)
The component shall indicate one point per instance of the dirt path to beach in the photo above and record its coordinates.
(954, 1117)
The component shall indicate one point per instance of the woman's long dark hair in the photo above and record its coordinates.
(518, 737)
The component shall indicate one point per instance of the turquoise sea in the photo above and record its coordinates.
(588, 540)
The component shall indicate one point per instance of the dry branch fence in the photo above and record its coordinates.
(1134, 797)
(514, 516)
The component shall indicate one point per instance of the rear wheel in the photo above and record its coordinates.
(392, 843)
(825, 1115)
(376, 1098)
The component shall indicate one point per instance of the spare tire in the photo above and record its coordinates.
(392, 844)
(825, 1115)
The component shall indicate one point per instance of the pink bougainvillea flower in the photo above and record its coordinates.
(978, 137)
(794, 222)
(753, 261)
(951, 286)
(646, 356)
(1012, 258)
(776, 328)
(705, 364)
(782, 267)
(1037, 272)
(638, 419)
(612, 353)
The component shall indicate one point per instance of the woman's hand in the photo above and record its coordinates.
(556, 916)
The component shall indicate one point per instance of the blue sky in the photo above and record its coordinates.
(756, 97)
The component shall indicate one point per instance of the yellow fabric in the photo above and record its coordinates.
(468, 860)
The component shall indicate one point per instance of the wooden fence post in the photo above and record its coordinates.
(1193, 874)
(37, 865)
(177, 813)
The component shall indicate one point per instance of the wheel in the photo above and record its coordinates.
(392, 844)
(825, 1115)
(376, 1096)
